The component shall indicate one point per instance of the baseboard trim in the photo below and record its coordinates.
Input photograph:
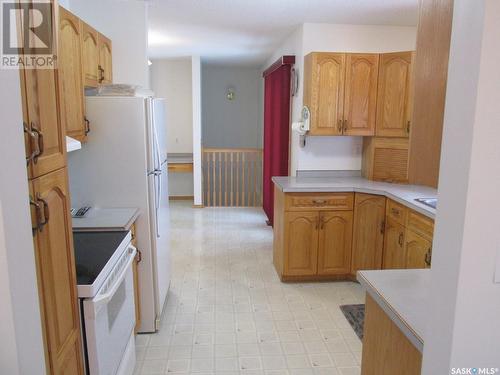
(198, 206)
(181, 197)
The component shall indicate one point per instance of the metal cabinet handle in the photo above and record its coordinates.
(46, 212)
(317, 222)
(428, 257)
(395, 211)
(382, 227)
(322, 222)
(408, 126)
(40, 144)
(101, 73)
(345, 125)
(339, 126)
(319, 201)
(401, 239)
(87, 125)
(38, 210)
(32, 136)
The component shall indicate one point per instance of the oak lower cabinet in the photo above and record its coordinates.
(368, 235)
(56, 273)
(394, 245)
(418, 251)
(312, 238)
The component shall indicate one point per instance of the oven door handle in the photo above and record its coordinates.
(101, 299)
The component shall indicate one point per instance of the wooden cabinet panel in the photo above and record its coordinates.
(56, 274)
(394, 245)
(368, 233)
(420, 224)
(324, 79)
(386, 350)
(360, 104)
(105, 59)
(385, 159)
(90, 55)
(394, 102)
(418, 251)
(70, 75)
(335, 237)
(397, 212)
(319, 201)
(301, 243)
(45, 130)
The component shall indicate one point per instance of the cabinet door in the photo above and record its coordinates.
(394, 95)
(324, 91)
(301, 243)
(368, 234)
(90, 55)
(70, 75)
(105, 60)
(360, 105)
(335, 237)
(418, 251)
(394, 245)
(55, 265)
(44, 131)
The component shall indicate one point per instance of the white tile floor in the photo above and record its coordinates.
(228, 313)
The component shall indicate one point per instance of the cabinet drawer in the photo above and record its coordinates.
(319, 201)
(420, 224)
(397, 212)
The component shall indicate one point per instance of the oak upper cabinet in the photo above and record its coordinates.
(301, 242)
(335, 236)
(56, 269)
(394, 245)
(90, 55)
(368, 233)
(395, 94)
(324, 79)
(341, 92)
(418, 251)
(360, 104)
(70, 75)
(105, 59)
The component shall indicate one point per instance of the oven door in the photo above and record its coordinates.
(109, 318)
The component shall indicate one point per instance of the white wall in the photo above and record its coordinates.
(20, 327)
(231, 123)
(335, 153)
(464, 329)
(197, 131)
(125, 23)
(171, 79)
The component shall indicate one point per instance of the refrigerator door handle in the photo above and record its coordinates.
(158, 202)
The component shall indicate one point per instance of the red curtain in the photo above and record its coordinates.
(276, 132)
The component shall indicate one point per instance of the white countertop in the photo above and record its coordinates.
(106, 219)
(402, 193)
(402, 294)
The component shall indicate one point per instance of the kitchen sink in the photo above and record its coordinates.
(431, 202)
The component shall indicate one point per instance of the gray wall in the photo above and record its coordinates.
(237, 123)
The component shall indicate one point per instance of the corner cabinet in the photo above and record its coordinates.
(105, 65)
(312, 235)
(341, 92)
(395, 94)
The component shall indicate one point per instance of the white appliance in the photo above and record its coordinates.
(124, 164)
(106, 291)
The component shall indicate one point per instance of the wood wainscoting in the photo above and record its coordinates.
(232, 177)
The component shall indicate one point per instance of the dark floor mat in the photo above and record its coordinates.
(355, 315)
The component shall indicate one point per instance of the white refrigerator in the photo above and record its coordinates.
(124, 164)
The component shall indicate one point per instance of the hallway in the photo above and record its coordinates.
(228, 313)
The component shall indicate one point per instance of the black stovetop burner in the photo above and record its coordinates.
(92, 251)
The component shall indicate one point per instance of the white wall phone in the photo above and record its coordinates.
(303, 126)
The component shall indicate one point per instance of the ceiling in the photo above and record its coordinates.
(246, 32)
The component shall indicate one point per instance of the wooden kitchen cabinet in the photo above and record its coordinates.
(418, 251)
(394, 245)
(70, 75)
(385, 159)
(335, 237)
(395, 94)
(324, 79)
(90, 55)
(341, 92)
(368, 233)
(105, 59)
(301, 243)
(360, 104)
(56, 273)
(312, 238)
